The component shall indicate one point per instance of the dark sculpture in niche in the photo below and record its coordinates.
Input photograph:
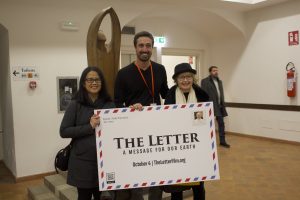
(105, 55)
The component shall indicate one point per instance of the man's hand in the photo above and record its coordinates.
(136, 106)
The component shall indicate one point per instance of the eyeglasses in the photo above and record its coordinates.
(187, 77)
(92, 80)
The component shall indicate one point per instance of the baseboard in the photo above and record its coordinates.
(33, 177)
(263, 138)
(26, 178)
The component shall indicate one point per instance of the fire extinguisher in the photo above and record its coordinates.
(291, 79)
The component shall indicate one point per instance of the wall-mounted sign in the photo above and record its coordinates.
(25, 73)
(159, 41)
(66, 88)
(293, 38)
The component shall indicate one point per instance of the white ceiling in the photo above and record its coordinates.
(200, 15)
(239, 6)
(198, 3)
(196, 14)
(209, 4)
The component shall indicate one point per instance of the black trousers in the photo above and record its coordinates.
(129, 194)
(198, 191)
(87, 193)
(221, 127)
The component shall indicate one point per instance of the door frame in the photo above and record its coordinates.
(199, 54)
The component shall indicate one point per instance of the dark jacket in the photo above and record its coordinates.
(207, 84)
(200, 95)
(83, 171)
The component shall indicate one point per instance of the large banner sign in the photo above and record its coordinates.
(160, 145)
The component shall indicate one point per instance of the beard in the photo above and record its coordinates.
(215, 75)
(144, 56)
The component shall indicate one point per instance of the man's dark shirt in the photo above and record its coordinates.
(130, 87)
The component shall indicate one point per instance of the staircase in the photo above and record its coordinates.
(56, 188)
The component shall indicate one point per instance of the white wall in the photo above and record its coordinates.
(253, 71)
(177, 34)
(178, 37)
(282, 125)
(36, 40)
(36, 118)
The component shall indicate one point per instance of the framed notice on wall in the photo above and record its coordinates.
(66, 88)
(293, 38)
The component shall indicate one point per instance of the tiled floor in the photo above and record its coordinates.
(253, 169)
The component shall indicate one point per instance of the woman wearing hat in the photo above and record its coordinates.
(185, 91)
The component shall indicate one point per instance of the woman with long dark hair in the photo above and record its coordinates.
(79, 123)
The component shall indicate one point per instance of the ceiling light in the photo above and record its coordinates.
(69, 26)
(246, 1)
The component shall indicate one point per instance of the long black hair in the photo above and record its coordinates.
(82, 94)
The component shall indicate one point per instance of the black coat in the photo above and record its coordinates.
(83, 170)
(201, 95)
(209, 87)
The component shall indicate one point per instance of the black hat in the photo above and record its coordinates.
(181, 68)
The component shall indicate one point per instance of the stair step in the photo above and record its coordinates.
(56, 188)
(56, 183)
(68, 194)
(166, 196)
(63, 173)
(40, 192)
